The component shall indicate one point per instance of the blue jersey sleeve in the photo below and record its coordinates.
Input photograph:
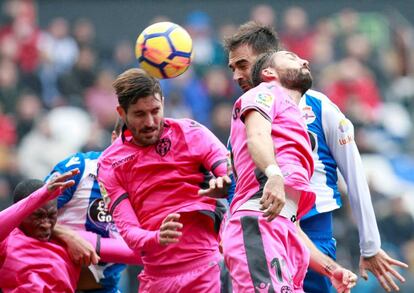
(232, 188)
(74, 161)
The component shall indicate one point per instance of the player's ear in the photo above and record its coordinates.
(269, 74)
(121, 112)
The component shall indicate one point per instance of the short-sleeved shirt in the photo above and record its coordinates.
(165, 177)
(290, 139)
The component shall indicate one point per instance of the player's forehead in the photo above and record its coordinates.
(286, 54)
(242, 53)
(147, 103)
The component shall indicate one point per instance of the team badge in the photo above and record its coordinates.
(265, 99)
(308, 115)
(163, 146)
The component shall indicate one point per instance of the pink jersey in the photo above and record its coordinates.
(30, 265)
(291, 141)
(162, 179)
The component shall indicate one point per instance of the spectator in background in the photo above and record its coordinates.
(123, 57)
(59, 52)
(84, 33)
(28, 109)
(100, 99)
(73, 83)
(263, 14)
(10, 88)
(352, 87)
(296, 35)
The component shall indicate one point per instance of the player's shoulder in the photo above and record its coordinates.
(325, 102)
(73, 161)
(113, 150)
(186, 124)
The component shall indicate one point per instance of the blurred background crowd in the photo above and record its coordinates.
(58, 60)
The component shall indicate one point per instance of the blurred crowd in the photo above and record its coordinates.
(56, 98)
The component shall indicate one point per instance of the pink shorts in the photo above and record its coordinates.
(264, 256)
(204, 279)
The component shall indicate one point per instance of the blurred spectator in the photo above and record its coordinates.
(398, 227)
(28, 109)
(351, 86)
(9, 85)
(23, 35)
(123, 57)
(207, 50)
(263, 14)
(73, 84)
(8, 136)
(296, 34)
(59, 52)
(101, 101)
(221, 122)
(84, 33)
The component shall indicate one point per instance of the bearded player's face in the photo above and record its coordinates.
(293, 71)
(145, 119)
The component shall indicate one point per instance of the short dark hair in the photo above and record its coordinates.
(262, 61)
(26, 187)
(261, 38)
(134, 84)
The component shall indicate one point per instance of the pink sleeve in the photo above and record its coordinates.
(112, 250)
(259, 99)
(212, 151)
(109, 185)
(11, 217)
(130, 229)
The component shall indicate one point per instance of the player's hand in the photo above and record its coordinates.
(60, 182)
(343, 280)
(169, 233)
(273, 198)
(218, 187)
(80, 251)
(381, 266)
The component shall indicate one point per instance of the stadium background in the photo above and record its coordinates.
(58, 59)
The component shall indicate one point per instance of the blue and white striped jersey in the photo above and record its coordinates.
(333, 148)
(81, 207)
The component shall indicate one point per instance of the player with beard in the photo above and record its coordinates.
(253, 39)
(152, 174)
(272, 163)
(333, 148)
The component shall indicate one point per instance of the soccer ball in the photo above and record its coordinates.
(164, 50)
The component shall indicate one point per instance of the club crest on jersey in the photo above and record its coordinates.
(163, 146)
(308, 115)
(265, 99)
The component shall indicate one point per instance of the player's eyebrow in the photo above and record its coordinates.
(291, 54)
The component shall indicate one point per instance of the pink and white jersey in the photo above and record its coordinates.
(291, 142)
(162, 179)
(30, 265)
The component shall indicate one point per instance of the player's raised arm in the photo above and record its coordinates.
(14, 215)
(340, 138)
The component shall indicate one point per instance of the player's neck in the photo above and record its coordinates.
(294, 94)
